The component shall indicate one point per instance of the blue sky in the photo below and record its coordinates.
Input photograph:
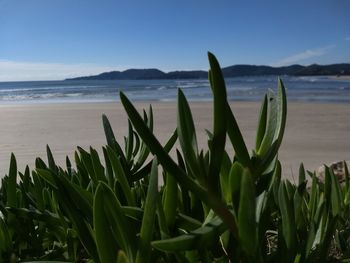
(54, 39)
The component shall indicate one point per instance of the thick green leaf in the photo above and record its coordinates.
(261, 203)
(149, 216)
(120, 175)
(262, 124)
(111, 141)
(336, 195)
(302, 176)
(287, 217)
(266, 164)
(69, 166)
(147, 168)
(327, 237)
(38, 186)
(74, 194)
(225, 177)
(144, 151)
(276, 121)
(282, 112)
(235, 178)
(34, 214)
(271, 125)
(328, 188)
(187, 223)
(236, 139)
(5, 239)
(219, 130)
(97, 166)
(298, 202)
(290, 189)
(247, 226)
(107, 245)
(346, 175)
(85, 179)
(109, 169)
(313, 197)
(187, 135)
(137, 143)
(85, 157)
(79, 221)
(133, 212)
(233, 130)
(201, 238)
(170, 199)
(310, 239)
(122, 258)
(47, 176)
(129, 142)
(275, 181)
(12, 183)
(347, 198)
(168, 164)
(117, 220)
(39, 163)
(297, 258)
(50, 159)
(163, 227)
(320, 209)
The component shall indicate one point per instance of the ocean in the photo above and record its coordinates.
(313, 89)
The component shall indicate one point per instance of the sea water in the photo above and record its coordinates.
(315, 89)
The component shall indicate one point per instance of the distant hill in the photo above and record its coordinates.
(192, 74)
(127, 74)
(231, 71)
(251, 70)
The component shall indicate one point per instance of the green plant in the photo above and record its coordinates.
(212, 207)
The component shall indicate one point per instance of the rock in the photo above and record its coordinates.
(338, 170)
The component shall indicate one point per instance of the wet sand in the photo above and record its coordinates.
(315, 133)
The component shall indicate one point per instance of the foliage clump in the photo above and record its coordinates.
(212, 207)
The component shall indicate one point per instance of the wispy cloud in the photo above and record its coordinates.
(20, 71)
(307, 54)
(347, 38)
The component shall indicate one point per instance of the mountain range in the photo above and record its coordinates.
(231, 71)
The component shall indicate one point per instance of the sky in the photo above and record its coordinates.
(56, 39)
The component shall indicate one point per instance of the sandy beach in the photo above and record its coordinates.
(315, 133)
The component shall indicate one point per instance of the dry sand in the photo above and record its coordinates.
(315, 133)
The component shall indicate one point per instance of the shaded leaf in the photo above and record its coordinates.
(148, 220)
(247, 226)
(116, 219)
(202, 237)
(219, 130)
(120, 175)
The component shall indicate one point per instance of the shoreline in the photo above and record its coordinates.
(316, 133)
(47, 103)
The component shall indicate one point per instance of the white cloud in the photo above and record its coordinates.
(307, 54)
(347, 38)
(21, 71)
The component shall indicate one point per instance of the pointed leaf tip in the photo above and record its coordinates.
(213, 61)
